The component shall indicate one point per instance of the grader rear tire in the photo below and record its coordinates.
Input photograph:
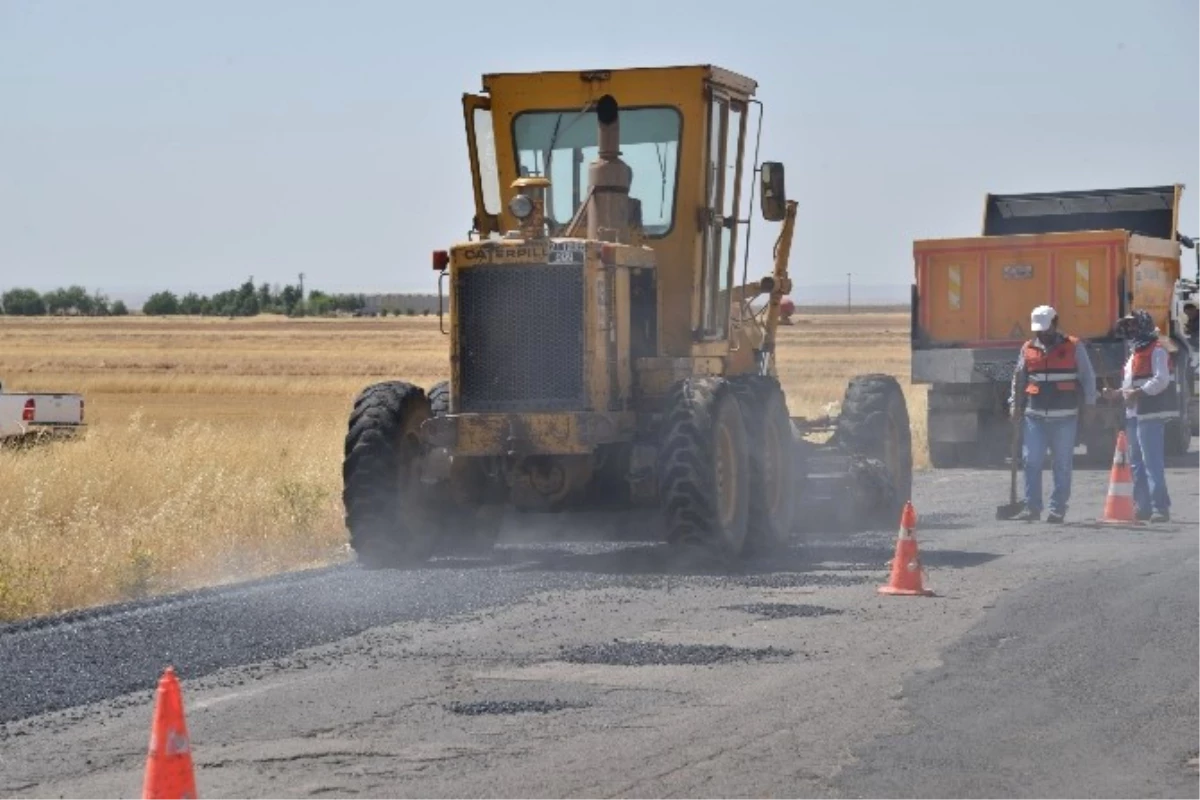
(874, 424)
(704, 468)
(385, 512)
(772, 462)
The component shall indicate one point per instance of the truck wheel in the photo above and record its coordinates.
(468, 527)
(385, 510)
(1099, 447)
(772, 480)
(1193, 407)
(874, 424)
(996, 444)
(944, 455)
(1178, 437)
(1179, 431)
(704, 468)
(947, 455)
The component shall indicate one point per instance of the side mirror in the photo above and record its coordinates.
(771, 191)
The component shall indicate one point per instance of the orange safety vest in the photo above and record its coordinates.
(1052, 379)
(1163, 405)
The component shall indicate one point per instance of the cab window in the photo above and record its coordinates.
(560, 145)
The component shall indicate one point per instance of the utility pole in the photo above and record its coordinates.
(301, 291)
(848, 304)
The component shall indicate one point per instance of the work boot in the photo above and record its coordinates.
(1160, 516)
(1029, 515)
(1056, 517)
(1141, 516)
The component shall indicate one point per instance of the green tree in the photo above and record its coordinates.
(23, 303)
(72, 300)
(319, 303)
(191, 303)
(289, 298)
(55, 301)
(223, 304)
(161, 304)
(79, 300)
(100, 305)
(118, 309)
(246, 304)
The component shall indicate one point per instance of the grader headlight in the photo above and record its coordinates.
(520, 206)
(528, 205)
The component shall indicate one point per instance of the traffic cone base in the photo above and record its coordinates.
(906, 577)
(169, 772)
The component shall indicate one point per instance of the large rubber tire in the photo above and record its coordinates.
(388, 518)
(946, 455)
(874, 425)
(1179, 430)
(704, 468)
(772, 462)
(1178, 436)
(1098, 447)
(1189, 379)
(439, 398)
(468, 527)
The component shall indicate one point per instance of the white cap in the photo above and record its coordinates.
(1041, 318)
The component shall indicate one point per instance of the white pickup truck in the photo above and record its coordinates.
(36, 414)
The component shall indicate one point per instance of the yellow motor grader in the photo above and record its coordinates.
(601, 356)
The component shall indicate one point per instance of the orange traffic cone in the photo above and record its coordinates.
(1118, 506)
(169, 762)
(906, 563)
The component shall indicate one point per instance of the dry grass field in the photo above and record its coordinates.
(214, 446)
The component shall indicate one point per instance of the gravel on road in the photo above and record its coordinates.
(570, 669)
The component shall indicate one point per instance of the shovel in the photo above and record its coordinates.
(1014, 506)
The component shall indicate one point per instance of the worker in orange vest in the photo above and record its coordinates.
(1151, 399)
(1056, 379)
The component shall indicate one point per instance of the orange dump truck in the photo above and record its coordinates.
(1093, 256)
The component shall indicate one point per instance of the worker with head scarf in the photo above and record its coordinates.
(1150, 395)
(1053, 380)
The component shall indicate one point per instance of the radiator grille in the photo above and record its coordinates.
(520, 338)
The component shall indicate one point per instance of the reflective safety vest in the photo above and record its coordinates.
(1052, 380)
(1165, 404)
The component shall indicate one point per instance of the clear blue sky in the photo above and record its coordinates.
(187, 144)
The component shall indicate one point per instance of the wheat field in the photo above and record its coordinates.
(213, 452)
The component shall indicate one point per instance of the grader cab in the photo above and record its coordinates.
(601, 356)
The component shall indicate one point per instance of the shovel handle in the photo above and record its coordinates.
(1015, 451)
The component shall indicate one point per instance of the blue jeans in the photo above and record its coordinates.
(1147, 461)
(1059, 436)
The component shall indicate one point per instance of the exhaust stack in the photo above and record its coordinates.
(609, 212)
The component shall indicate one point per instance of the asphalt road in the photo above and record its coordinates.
(1054, 661)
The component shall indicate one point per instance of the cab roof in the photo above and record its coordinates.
(727, 78)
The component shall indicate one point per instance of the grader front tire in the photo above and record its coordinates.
(468, 526)
(772, 462)
(384, 509)
(704, 468)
